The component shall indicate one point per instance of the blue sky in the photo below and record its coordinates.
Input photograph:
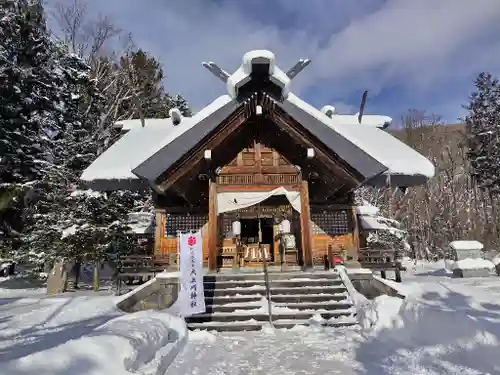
(420, 54)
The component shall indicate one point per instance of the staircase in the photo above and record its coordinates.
(236, 302)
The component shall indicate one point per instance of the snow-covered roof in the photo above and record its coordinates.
(141, 222)
(113, 169)
(127, 125)
(370, 223)
(370, 150)
(367, 209)
(377, 121)
(466, 245)
(405, 165)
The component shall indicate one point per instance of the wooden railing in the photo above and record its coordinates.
(141, 268)
(234, 179)
(281, 179)
(267, 179)
(381, 259)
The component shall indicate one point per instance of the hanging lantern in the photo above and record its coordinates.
(285, 226)
(236, 228)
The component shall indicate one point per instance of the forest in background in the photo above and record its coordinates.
(461, 202)
(61, 91)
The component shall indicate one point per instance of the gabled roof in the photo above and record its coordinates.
(143, 154)
(113, 169)
(167, 152)
(404, 165)
(362, 162)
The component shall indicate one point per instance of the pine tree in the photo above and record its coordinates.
(72, 150)
(144, 75)
(30, 105)
(483, 133)
(179, 102)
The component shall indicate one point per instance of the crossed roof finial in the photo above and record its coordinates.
(254, 64)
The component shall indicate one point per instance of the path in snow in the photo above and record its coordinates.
(447, 326)
(282, 352)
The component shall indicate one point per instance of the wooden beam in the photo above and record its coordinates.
(355, 233)
(294, 147)
(235, 169)
(305, 226)
(160, 227)
(237, 188)
(194, 156)
(335, 165)
(212, 227)
(180, 193)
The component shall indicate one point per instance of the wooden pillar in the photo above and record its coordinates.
(305, 225)
(160, 227)
(355, 234)
(212, 226)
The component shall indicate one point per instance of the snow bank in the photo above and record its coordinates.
(474, 264)
(437, 329)
(466, 245)
(87, 335)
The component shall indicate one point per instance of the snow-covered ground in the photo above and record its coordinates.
(444, 326)
(78, 334)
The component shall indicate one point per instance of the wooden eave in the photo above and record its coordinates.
(193, 161)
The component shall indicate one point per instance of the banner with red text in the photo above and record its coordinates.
(191, 275)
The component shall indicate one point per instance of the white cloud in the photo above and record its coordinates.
(366, 44)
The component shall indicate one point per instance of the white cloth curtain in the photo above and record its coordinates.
(232, 201)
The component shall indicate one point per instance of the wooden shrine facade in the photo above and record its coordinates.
(252, 152)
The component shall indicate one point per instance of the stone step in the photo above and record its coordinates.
(272, 276)
(278, 298)
(263, 317)
(231, 307)
(272, 283)
(258, 289)
(257, 326)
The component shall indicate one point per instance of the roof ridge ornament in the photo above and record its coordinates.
(176, 115)
(258, 72)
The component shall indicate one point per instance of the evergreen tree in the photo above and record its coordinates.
(144, 75)
(30, 105)
(483, 133)
(72, 151)
(179, 102)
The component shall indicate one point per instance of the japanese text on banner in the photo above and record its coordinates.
(191, 266)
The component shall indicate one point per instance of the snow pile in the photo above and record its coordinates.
(474, 264)
(379, 313)
(87, 335)
(437, 329)
(367, 209)
(466, 245)
(469, 264)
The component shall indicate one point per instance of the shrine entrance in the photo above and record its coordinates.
(250, 239)
(254, 233)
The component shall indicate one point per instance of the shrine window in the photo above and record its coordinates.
(330, 223)
(184, 223)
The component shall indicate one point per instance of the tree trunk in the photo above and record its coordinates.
(96, 274)
(76, 273)
(494, 217)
